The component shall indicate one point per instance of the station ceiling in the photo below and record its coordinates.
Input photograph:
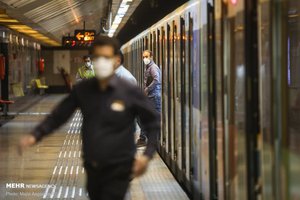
(148, 13)
(56, 18)
(53, 19)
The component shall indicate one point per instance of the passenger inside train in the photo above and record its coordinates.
(200, 100)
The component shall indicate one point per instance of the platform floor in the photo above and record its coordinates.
(53, 168)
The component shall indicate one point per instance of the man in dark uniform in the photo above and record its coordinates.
(109, 106)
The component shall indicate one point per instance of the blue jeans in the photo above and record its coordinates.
(156, 100)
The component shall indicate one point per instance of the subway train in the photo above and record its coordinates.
(230, 74)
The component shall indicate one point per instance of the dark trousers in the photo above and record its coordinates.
(156, 101)
(108, 183)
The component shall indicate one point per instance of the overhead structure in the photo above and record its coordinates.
(16, 25)
(121, 11)
(53, 18)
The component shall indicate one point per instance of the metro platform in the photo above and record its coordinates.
(53, 168)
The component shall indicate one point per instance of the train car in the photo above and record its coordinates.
(175, 37)
(230, 96)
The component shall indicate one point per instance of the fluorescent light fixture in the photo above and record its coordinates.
(124, 6)
(26, 30)
(6, 20)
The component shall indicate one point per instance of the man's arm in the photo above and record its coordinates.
(58, 116)
(149, 118)
(155, 79)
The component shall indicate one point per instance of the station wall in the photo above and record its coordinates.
(70, 60)
(21, 54)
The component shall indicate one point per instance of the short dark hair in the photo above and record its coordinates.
(120, 53)
(106, 41)
(86, 57)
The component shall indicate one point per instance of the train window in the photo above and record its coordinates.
(235, 110)
(140, 62)
(183, 90)
(158, 41)
(163, 46)
(147, 43)
(219, 98)
(190, 148)
(164, 92)
(293, 83)
(154, 46)
(151, 42)
(144, 43)
(176, 90)
(168, 87)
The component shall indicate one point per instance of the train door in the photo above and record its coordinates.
(280, 98)
(151, 43)
(144, 47)
(241, 100)
(177, 97)
(164, 68)
(172, 92)
(234, 101)
(140, 63)
(212, 101)
(184, 85)
(190, 150)
(219, 115)
(204, 93)
(291, 139)
(158, 42)
(168, 67)
(154, 47)
(265, 77)
(196, 154)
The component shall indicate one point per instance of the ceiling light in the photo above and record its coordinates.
(6, 20)
(26, 30)
(119, 16)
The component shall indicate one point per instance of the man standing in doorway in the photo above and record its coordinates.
(86, 71)
(152, 88)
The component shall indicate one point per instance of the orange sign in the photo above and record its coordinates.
(85, 35)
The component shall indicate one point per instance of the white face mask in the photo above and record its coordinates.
(147, 61)
(103, 68)
(88, 64)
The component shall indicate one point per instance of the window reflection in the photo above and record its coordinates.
(293, 67)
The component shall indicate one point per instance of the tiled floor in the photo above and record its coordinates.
(53, 168)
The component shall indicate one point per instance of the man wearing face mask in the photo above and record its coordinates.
(109, 106)
(86, 71)
(152, 88)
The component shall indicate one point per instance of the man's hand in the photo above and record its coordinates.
(146, 92)
(25, 142)
(140, 165)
